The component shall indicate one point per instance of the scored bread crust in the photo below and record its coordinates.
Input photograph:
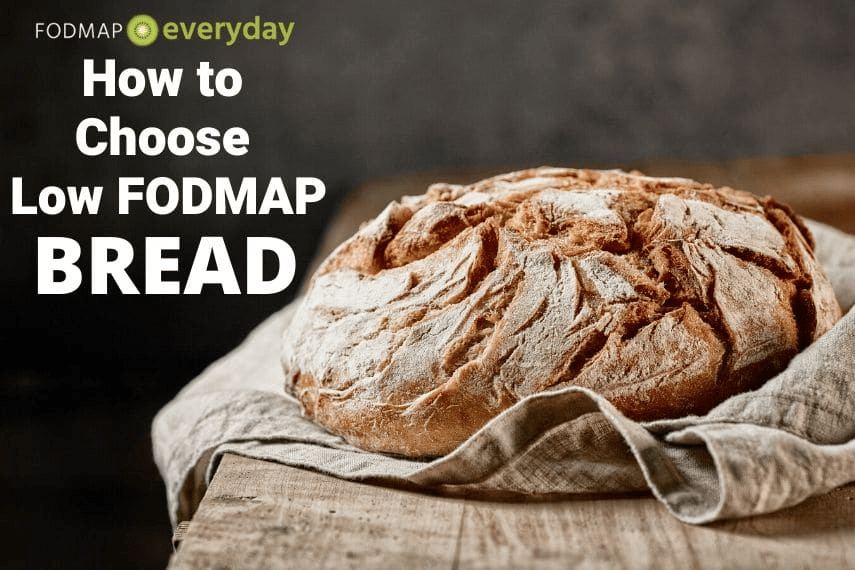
(664, 295)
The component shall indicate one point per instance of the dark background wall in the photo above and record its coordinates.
(363, 90)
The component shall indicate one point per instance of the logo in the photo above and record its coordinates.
(142, 30)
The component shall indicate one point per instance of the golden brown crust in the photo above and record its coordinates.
(664, 295)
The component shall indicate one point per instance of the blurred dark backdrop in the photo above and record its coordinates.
(363, 90)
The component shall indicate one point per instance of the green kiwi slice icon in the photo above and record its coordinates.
(142, 30)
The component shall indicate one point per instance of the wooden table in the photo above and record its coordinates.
(257, 514)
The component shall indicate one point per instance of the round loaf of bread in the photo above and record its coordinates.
(664, 295)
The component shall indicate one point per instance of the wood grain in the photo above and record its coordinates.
(639, 533)
(258, 514)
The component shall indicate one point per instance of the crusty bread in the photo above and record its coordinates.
(665, 295)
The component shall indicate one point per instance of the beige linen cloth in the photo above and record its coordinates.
(755, 453)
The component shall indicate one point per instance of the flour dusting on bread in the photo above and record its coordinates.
(663, 294)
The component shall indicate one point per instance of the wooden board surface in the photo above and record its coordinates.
(258, 514)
